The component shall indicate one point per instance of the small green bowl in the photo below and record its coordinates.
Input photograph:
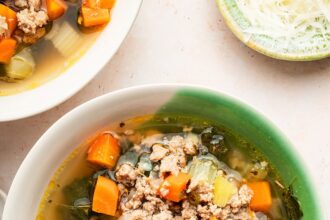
(266, 45)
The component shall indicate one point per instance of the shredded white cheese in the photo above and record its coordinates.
(291, 22)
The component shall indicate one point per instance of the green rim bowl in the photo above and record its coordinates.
(237, 22)
(162, 99)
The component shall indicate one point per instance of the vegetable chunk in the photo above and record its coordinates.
(104, 151)
(262, 198)
(202, 171)
(7, 50)
(55, 9)
(21, 65)
(223, 191)
(10, 16)
(108, 4)
(94, 16)
(173, 187)
(105, 197)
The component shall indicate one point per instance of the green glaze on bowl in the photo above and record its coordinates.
(256, 130)
(160, 99)
(266, 45)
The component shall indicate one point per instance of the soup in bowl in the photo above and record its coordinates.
(162, 152)
(53, 59)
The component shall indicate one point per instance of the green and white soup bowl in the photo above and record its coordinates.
(177, 104)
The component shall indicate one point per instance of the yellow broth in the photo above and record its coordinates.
(49, 62)
(76, 167)
(76, 164)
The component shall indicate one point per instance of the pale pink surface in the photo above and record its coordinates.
(187, 42)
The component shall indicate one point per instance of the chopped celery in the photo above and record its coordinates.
(67, 40)
(202, 171)
(21, 65)
(221, 166)
(223, 191)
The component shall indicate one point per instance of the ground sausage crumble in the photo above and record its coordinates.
(141, 198)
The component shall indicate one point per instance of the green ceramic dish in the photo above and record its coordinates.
(179, 100)
(267, 45)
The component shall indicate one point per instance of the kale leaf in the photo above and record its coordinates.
(292, 205)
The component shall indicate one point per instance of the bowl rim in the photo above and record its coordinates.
(39, 148)
(48, 95)
(254, 45)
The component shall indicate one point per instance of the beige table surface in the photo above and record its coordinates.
(186, 41)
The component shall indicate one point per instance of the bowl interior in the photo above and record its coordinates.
(61, 139)
(267, 44)
(54, 92)
(257, 131)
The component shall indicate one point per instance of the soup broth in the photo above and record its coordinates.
(237, 154)
(40, 39)
(49, 60)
